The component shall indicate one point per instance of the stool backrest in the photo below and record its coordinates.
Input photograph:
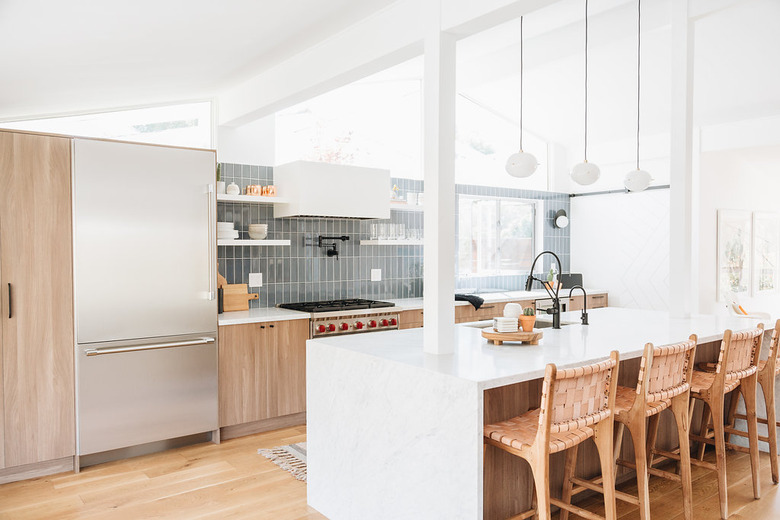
(665, 372)
(574, 398)
(739, 352)
(774, 345)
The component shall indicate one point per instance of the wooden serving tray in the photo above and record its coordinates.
(497, 338)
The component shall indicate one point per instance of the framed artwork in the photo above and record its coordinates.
(766, 253)
(734, 248)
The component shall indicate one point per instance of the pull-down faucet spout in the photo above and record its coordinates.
(556, 308)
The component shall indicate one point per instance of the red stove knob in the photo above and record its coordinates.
(393, 322)
(372, 324)
(385, 323)
(331, 327)
(344, 326)
(359, 325)
(321, 328)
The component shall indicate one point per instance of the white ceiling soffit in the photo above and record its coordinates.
(86, 55)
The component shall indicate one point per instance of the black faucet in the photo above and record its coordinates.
(556, 308)
(584, 317)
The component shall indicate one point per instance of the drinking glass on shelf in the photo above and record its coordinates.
(374, 231)
(382, 234)
(401, 231)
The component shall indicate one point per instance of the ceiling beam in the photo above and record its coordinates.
(386, 38)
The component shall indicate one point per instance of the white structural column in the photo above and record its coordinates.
(681, 280)
(439, 168)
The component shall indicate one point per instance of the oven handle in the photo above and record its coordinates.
(153, 346)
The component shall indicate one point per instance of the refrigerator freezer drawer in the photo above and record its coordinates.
(134, 394)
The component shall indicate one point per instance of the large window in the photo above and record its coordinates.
(496, 236)
(175, 125)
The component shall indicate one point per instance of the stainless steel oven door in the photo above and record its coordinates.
(130, 394)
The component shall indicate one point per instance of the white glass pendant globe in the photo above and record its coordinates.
(637, 180)
(585, 173)
(521, 164)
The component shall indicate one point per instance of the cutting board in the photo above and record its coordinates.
(236, 297)
(497, 338)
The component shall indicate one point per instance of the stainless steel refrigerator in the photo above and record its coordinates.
(145, 285)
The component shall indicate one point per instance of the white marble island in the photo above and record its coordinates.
(394, 433)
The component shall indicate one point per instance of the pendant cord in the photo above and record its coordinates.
(586, 80)
(638, 72)
(522, 83)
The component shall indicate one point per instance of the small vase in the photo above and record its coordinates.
(221, 187)
(527, 323)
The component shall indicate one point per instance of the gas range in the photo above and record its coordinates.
(353, 316)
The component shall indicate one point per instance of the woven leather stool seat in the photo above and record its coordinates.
(520, 432)
(625, 400)
(701, 382)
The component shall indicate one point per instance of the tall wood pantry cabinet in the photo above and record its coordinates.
(37, 419)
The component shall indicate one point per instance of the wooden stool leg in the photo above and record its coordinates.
(568, 474)
(706, 412)
(617, 442)
(652, 433)
(680, 411)
(768, 388)
(541, 473)
(733, 402)
(603, 439)
(716, 410)
(749, 390)
(639, 439)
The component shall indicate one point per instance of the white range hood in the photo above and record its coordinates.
(324, 190)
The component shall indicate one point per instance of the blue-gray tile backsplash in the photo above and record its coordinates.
(303, 272)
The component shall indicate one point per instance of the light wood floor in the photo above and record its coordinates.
(205, 481)
(231, 481)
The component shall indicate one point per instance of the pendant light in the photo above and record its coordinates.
(639, 179)
(585, 172)
(521, 164)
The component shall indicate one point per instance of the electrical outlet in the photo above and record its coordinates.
(376, 275)
(255, 280)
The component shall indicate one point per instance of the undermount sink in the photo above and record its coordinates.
(540, 324)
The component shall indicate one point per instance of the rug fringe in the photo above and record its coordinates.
(287, 461)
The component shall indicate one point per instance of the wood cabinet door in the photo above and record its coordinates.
(289, 375)
(598, 301)
(410, 319)
(242, 395)
(36, 274)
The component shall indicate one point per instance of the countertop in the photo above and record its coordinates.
(276, 314)
(261, 315)
(625, 330)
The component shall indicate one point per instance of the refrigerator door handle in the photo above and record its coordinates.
(153, 346)
(212, 200)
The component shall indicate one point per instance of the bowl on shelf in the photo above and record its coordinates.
(257, 235)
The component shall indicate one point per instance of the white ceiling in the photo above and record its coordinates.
(61, 57)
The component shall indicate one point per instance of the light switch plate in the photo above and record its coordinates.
(376, 275)
(255, 280)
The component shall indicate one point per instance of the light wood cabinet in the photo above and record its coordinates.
(262, 371)
(410, 319)
(38, 418)
(595, 301)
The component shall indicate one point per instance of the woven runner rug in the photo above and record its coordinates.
(291, 458)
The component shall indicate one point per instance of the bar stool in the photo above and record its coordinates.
(737, 367)
(663, 382)
(576, 404)
(767, 371)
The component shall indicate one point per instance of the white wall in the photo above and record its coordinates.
(742, 179)
(620, 242)
(252, 143)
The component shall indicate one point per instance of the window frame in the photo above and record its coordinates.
(537, 238)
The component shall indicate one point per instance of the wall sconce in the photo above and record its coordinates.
(561, 220)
